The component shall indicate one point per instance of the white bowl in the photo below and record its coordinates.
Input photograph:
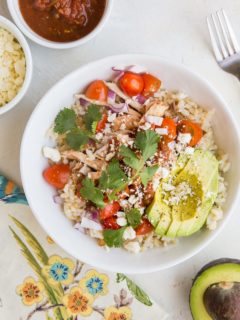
(8, 25)
(13, 6)
(40, 194)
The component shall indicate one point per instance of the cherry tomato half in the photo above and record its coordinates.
(171, 127)
(110, 223)
(144, 228)
(187, 126)
(102, 123)
(97, 90)
(57, 175)
(109, 210)
(131, 83)
(151, 84)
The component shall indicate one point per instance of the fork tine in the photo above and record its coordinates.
(231, 32)
(219, 37)
(216, 50)
(224, 32)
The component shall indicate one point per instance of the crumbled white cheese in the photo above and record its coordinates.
(146, 126)
(129, 234)
(162, 131)
(167, 187)
(121, 214)
(133, 246)
(122, 222)
(189, 150)
(162, 172)
(12, 67)
(171, 145)
(85, 170)
(154, 120)
(99, 136)
(132, 199)
(111, 117)
(110, 155)
(51, 154)
(184, 138)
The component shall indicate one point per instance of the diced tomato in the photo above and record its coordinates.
(110, 223)
(131, 83)
(144, 228)
(102, 123)
(151, 84)
(187, 126)
(109, 210)
(57, 175)
(97, 90)
(171, 127)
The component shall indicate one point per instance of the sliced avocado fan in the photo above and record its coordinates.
(184, 210)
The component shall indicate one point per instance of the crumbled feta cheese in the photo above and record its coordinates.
(110, 155)
(146, 126)
(51, 154)
(132, 199)
(211, 223)
(121, 222)
(171, 145)
(162, 131)
(12, 67)
(123, 203)
(162, 172)
(99, 136)
(133, 246)
(154, 120)
(184, 138)
(129, 234)
(111, 117)
(217, 213)
(189, 150)
(167, 186)
(85, 170)
(120, 214)
(155, 183)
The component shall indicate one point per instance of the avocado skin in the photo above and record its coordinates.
(217, 262)
(222, 301)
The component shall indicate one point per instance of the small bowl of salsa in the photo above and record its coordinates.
(60, 24)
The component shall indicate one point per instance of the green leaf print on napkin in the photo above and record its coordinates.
(138, 293)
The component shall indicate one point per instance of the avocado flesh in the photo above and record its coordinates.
(223, 272)
(193, 225)
(159, 213)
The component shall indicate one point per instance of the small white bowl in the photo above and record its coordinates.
(13, 6)
(8, 25)
(40, 194)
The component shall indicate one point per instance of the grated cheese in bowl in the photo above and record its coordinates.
(12, 67)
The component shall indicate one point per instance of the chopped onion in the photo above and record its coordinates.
(57, 199)
(154, 119)
(119, 107)
(84, 102)
(92, 214)
(111, 96)
(132, 68)
(78, 227)
(140, 99)
(90, 224)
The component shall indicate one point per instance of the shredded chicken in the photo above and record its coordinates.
(126, 122)
(156, 108)
(77, 155)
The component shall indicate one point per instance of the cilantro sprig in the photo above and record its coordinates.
(114, 238)
(90, 192)
(66, 123)
(134, 217)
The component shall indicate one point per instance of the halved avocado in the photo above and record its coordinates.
(215, 293)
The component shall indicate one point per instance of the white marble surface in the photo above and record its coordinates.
(174, 30)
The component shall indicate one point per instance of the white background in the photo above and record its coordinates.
(172, 29)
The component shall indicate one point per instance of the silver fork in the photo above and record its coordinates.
(224, 42)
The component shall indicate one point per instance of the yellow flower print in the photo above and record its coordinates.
(112, 313)
(78, 302)
(30, 291)
(58, 270)
(94, 283)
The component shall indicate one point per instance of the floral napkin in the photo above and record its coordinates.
(39, 281)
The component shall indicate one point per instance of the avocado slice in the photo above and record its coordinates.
(159, 213)
(193, 225)
(215, 293)
(201, 176)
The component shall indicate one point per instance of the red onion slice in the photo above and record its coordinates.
(84, 103)
(111, 96)
(57, 199)
(119, 107)
(140, 99)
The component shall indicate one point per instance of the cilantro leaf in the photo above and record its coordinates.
(134, 217)
(91, 117)
(76, 138)
(65, 120)
(147, 174)
(147, 142)
(113, 177)
(90, 192)
(130, 157)
(113, 238)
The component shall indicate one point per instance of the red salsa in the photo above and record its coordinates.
(62, 20)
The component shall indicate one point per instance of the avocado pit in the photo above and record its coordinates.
(222, 301)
